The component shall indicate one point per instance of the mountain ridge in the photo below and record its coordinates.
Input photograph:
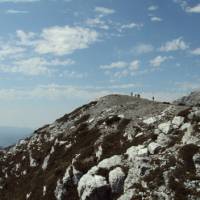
(118, 147)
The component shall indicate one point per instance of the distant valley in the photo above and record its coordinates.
(10, 135)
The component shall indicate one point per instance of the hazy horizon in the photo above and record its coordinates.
(10, 135)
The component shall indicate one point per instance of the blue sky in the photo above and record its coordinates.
(58, 54)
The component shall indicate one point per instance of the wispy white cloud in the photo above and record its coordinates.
(142, 49)
(104, 11)
(187, 8)
(34, 66)
(174, 45)
(73, 74)
(120, 74)
(153, 8)
(58, 62)
(121, 69)
(182, 3)
(194, 9)
(7, 50)
(196, 52)
(115, 65)
(131, 25)
(25, 38)
(17, 11)
(157, 61)
(134, 65)
(58, 40)
(97, 23)
(65, 40)
(156, 19)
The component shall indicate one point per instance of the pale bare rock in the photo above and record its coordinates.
(153, 147)
(128, 195)
(177, 121)
(113, 161)
(116, 180)
(165, 127)
(92, 187)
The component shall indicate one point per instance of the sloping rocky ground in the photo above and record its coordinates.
(191, 100)
(116, 148)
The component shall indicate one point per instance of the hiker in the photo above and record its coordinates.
(153, 98)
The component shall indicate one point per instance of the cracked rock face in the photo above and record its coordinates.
(116, 148)
(116, 180)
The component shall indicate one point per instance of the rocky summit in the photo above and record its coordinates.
(115, 148)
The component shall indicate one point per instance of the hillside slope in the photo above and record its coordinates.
(191, 100)
(118, 147)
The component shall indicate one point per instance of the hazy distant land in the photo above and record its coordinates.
(10, 135)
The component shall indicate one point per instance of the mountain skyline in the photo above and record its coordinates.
(58, 54)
